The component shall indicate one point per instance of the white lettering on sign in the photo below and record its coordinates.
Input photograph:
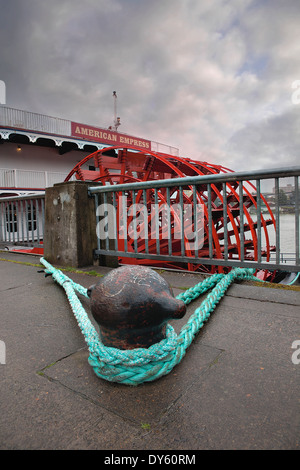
(107, 136)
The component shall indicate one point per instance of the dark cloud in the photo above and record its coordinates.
(272, 142)
(212, 78)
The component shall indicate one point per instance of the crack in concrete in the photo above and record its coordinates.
(15, 287)
(269, 301)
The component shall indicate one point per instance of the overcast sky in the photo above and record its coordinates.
(211, 77)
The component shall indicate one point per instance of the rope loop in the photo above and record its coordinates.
(135, 366)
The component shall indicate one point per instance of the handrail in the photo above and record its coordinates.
(216, 251)
(189, 180)
(25, 197)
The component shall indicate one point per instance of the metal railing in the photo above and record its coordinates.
(17, 178)
(20, 119)
(151, 221)
(29, 121)
(123, 220)
(22, 220)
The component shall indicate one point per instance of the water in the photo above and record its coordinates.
(287, 234)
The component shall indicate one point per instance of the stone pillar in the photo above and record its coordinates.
(70, 225)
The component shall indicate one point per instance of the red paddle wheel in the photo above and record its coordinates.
(115, 165)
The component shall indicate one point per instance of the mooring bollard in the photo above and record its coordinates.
(132, 305)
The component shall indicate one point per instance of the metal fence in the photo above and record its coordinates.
(20, 119)
(168, 223)
(208, 231)
(22, 220)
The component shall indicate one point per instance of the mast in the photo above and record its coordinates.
(117, 122)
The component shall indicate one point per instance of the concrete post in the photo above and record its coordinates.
(70, 225)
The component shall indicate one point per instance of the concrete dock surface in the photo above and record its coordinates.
(236, 388)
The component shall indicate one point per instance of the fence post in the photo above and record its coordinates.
(2, 353)
(107, 243)
(70, 224)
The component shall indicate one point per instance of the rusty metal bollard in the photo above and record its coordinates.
(132, 305)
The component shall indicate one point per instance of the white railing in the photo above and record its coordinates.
(33, 121)
(29, 121)
(22, 220)
(29, 179)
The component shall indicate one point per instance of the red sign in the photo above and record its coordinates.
(107, 136)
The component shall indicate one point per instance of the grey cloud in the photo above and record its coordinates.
(272, 142)
(212, 78)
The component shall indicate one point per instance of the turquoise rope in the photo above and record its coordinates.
(294, 280)
(135, 366)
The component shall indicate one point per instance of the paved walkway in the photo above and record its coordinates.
(236, 388)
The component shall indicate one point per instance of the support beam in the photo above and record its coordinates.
(70, 225)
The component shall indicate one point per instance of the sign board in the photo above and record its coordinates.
(107, 136)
